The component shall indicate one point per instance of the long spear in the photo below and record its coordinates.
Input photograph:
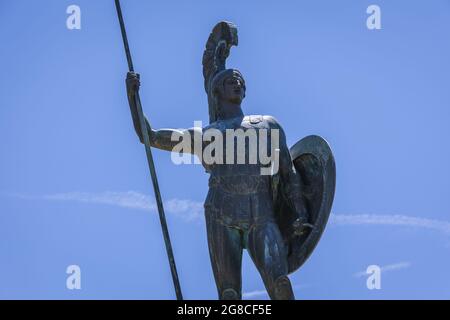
(151, 165)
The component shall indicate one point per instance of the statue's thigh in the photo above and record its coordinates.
(268, 251)
(225, 249)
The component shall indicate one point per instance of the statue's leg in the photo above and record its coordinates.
(269, 253)
(225, 251)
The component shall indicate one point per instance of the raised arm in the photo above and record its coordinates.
(161, 139)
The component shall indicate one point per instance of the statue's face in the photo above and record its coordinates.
(233, 90)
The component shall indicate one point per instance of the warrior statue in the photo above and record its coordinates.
(277, 217)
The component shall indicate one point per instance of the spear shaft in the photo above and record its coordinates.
(150, 162)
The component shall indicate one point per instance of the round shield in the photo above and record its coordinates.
(315, 165)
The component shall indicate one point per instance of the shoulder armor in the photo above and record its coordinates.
(254, 119)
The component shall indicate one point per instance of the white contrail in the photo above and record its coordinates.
(187, 209)
(259, 293)
(193, 210)
(253, 294)
(392, 220)
(129, 199)
(389, 267)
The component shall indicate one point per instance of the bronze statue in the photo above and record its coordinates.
(277, 217)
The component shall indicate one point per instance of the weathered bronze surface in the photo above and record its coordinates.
(278, 218)
(314, 162)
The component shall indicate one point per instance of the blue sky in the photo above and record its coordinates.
(74, 183)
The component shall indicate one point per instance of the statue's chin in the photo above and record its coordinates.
(231, 102)
(236, 100)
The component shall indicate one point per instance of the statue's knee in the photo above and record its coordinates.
(283, 289)
(230, 294)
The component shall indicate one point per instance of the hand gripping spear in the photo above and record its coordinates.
(151, 165)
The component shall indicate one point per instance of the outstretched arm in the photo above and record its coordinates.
(161, 139)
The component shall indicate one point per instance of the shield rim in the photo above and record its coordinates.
(320, 149)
